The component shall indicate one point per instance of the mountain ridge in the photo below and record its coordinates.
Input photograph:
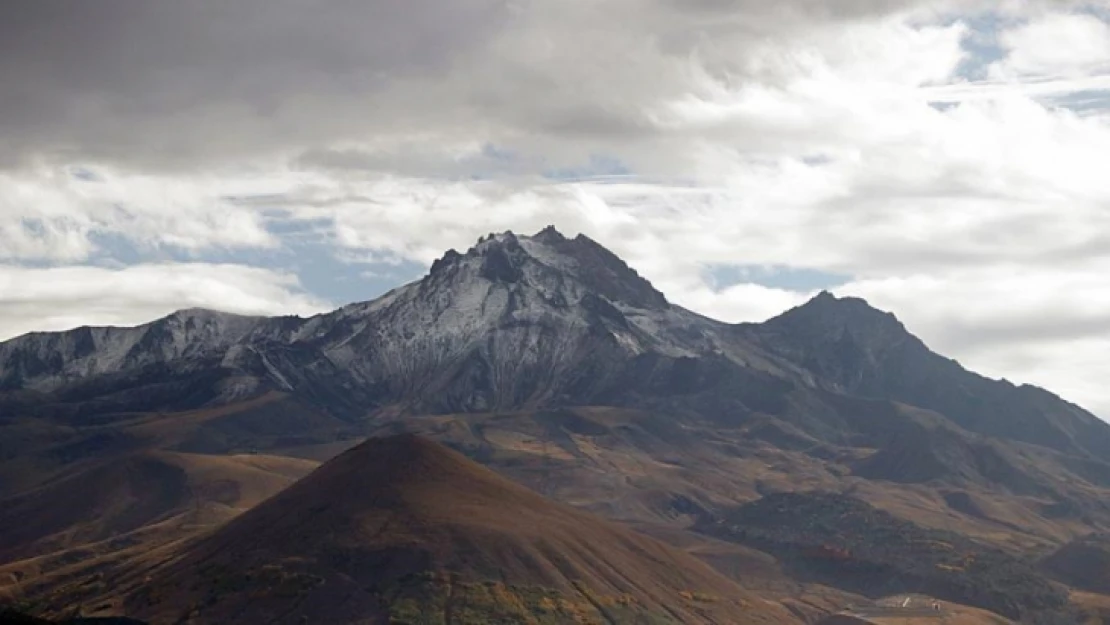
(519, 321)
(872, 354)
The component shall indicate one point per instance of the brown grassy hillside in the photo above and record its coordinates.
(404, 528)
(119, 496)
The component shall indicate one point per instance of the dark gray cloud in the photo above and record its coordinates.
(129, 79)
(163, 84)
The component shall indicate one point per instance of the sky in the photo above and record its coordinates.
(946, 160)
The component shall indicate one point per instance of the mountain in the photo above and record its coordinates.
(514, 321)
(402, 529)
(551, 361)
(521, 322)
(857, 350)
(531, 324)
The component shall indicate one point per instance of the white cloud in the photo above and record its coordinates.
(60, 298)
(1062, 45)
(739, 302)
(49, 213)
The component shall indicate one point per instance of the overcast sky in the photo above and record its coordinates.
(946, 160)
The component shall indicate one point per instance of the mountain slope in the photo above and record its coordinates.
(113, 498)
(858, 350)
(402, 524)
(848, 544)
(1083, 563)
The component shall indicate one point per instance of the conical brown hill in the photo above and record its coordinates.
(402, 529)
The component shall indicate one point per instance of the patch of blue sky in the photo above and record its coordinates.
(1099, 9)
(492, 162)
(787, 278)
(981, 44)
(35, 227)
(1083, 102)
(598, 166)
(305, 251)
(116, 250)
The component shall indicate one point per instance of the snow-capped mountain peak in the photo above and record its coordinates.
(519, 314)
(508, 257)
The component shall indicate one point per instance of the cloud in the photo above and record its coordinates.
(60, 298)
(174, 85)
(168, 84)
(1064, 45)
(1003, 181)
(53, 214)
